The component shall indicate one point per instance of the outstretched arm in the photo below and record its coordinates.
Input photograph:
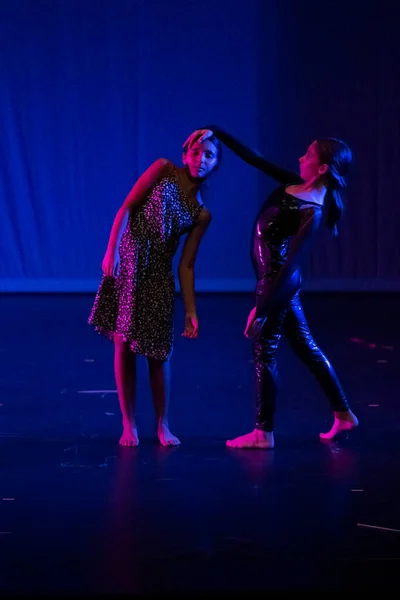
(254, 158)
(310, 219)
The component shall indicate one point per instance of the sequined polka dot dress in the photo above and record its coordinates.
(138, 304)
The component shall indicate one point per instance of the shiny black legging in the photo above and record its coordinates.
(290, 322)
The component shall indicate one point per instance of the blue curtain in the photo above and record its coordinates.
(93, 91)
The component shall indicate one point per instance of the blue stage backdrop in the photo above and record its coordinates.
(93, 91)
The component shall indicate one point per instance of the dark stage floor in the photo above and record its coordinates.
(80, 514)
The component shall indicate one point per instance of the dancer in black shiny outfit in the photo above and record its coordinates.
(282, 233)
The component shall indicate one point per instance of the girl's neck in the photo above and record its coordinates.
(187, 180)
(315, 188)
(189, 186)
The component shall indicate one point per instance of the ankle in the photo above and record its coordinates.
(261, 434)
(343, 415)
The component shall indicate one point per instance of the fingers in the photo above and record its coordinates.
(254, 328)
(197, 136)
(249, 324)
(110, 270)
(190, 335)
(258, 327)
(191, 332)
(205, 134)
(191, 139)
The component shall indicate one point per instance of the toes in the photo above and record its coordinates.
(128, 442)
(169, 441)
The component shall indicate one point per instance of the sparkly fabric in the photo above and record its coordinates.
(138, 304)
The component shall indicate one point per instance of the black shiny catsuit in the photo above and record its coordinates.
(283, 229)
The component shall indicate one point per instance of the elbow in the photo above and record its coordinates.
(185, 267)
(125, 210)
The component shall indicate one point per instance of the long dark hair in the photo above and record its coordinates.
(338, 156)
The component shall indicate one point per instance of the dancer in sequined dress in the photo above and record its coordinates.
(135, 300)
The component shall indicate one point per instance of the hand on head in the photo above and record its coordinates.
(200, 135)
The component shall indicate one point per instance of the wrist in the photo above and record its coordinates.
(112, 247)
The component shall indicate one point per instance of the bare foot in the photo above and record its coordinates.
(165, 436)
(129, 435)
(255, 439)
(344, 421)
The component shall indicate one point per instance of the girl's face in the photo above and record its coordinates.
(201, 159)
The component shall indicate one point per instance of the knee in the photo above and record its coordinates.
(264, 354)
(305, 347)
(155, 363)
(120, 343)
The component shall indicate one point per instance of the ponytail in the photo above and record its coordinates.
(338, 157)
(334, 208)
